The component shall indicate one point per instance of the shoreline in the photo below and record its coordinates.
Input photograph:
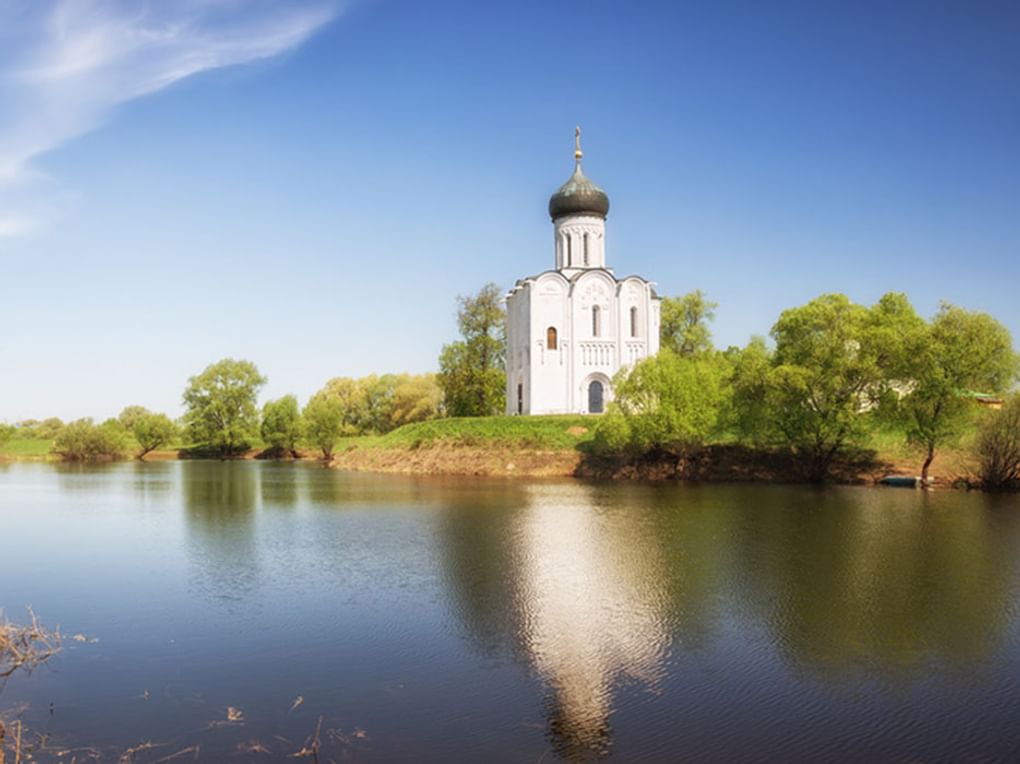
(719, 463)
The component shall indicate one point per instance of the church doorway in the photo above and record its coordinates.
(595, 397)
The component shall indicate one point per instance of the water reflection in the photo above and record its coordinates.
(580, 595)
(879, 582)
(220, 500)
(601, 588)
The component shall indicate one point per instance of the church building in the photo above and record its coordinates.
(571, 328)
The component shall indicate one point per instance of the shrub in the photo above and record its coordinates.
(997, 447)
(83, 440)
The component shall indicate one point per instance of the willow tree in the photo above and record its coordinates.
(834, 360)
(959, 353)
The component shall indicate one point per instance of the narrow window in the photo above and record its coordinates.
(550, 338)
(633, 322)
(570, 255)
(595, 320)
(520, 398)
(586, 249)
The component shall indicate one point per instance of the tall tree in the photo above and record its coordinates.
(833, 361)
(221, 405)
(958, 354)
(471, 370)
(324, 422)
(684, 323)
(281, 425)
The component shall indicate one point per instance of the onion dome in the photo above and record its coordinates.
(578, 196)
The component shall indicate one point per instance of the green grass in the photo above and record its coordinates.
(26, 447)
(542, 432)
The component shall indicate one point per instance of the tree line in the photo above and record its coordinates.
(222, 417)
(829, 376)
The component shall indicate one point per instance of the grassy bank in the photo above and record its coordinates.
(559, 446)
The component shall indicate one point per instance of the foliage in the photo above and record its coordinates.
(221, 405)
(46, 429)
(958, 353)
(543, 432)
(281, 424)
(684, 323)
(324, 422)
(747, 413)
(667, 405)
(833, 362)
(416, 399)
(997, 446)
(471, 370)
(7, 432)
(131, 414)
(83, 440)
(151, 430)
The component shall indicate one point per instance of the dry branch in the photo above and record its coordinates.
(25, 646)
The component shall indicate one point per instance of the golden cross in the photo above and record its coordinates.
(577, 143)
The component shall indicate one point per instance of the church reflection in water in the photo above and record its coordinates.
(590, 600)
(603, 591)
(581, 596)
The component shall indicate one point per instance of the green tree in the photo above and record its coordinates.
(748, 413)
(324, 422)
(130, 415)
(471, 370)
(833, 362)
(83, 440)
(281, 425)
(959, 353)
(684, 323)
(151, 430)
(667, 405)
(6, 433)
(375, 403)
(221, 409)
(416, 398)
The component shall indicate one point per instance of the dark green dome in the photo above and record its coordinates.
(578, 196)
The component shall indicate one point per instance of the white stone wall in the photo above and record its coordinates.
(556, 380)
(580, 242)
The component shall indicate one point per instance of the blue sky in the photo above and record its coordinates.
(310, 184)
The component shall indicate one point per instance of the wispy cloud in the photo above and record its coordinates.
(66, 64)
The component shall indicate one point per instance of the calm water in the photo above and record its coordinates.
(482, 620)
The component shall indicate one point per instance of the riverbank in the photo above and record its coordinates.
(560, 446)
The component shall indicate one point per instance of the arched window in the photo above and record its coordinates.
(633, 322)
(550, 338)
(586, 249)
(596, 320)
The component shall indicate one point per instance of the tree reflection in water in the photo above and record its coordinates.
(600, 588)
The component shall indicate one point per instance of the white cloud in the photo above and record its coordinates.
(66, 64)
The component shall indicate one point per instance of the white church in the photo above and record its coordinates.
(570, 329)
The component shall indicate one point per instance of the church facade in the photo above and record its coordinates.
(572, 328)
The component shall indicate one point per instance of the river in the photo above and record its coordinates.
(440, 619)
